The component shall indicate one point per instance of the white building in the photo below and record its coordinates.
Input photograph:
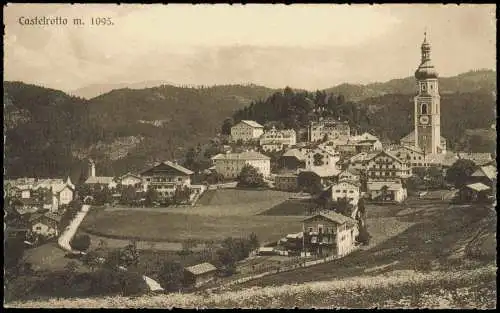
(165, 177)
(368, 139)
(320, 158)
(386, 167)
(277, 139)
(348, 190)
(348, 176)
(328, 128)
(386, 191)
(130, 179)
(231, 164)
(99, 181)
(246, 131)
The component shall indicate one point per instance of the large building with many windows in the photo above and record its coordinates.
(328, 129)
(166, 177)
(246, 131)
(231, 164)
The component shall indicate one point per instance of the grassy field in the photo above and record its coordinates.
(47, 257)
(418, 239)
(224, 202)
(403, 289)
(173, 227)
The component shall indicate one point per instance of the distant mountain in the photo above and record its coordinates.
(49, 133)
(94, 90)
(467, 82)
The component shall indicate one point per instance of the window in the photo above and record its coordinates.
(337, 191)
(350, 191)
(423, 108)
(310, 229)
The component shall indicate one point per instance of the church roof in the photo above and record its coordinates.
(426, 69)
(411, 138)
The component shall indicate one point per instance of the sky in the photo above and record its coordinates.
(302, 46)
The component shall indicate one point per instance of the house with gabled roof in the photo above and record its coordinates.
(293, 159)
(349, 176)
(246, 131)
(387, 167)
(330, 234)
(276, 140)
(130, 179)
(386, 191)
(199, 274)
(348, 190)
(165, 177)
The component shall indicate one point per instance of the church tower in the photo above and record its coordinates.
(427, 104)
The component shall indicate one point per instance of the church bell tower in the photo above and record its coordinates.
(427, 104)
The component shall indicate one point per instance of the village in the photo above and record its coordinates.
(332, 177)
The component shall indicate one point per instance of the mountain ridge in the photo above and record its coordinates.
(48, 131)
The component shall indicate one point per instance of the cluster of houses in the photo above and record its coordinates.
(333, 158)
(46, 199)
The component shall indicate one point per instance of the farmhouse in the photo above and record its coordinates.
(246, 131)
(316, 179)
(231, 164)
(330, 233)
(200, 274)
(276, 140)
(286, 182)
(347, 190)
(293, 159)
(348, 176)
(166, 177)
(322, 159)
(45, 224)
(475, 192)
(327, 128)
(486, 175)
(386, 167)
(359, 162)
(386, 191)
(62, 194)
(130, 179)
(479, 159)
(368, 140)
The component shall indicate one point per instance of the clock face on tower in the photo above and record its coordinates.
(424, 120)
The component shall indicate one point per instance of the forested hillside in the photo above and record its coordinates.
(49, 133)
(472, 81)
(389, 116)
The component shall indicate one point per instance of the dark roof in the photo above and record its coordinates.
(335, 217)
(173, 165)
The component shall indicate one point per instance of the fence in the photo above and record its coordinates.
(294, 263)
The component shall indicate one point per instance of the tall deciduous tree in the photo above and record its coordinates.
(458, 174)
(250, 177)
(226, 126)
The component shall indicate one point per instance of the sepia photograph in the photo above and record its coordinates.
(327, 156)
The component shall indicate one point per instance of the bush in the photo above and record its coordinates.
(80, 243)
(171, 276)
(132, 284)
